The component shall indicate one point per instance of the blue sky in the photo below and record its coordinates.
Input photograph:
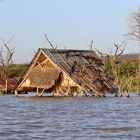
(68, 23)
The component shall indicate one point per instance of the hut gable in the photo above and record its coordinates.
(66, 71)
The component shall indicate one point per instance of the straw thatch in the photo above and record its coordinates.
(66, 71)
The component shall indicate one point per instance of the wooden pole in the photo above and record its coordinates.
(37, 91)
(16, 93)
(40, 94)
(5, 86)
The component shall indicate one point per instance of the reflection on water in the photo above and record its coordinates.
(68, 118)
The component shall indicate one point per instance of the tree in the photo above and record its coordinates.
(6, 58)
(134, 33)
(111, 60)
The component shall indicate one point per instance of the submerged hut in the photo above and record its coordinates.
(66, 72)
(8, 85)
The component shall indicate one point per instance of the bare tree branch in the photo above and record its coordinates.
(49, 42)
(110, 59)
(118, 50)
(101, 54)
(91, 45)
(6, 57)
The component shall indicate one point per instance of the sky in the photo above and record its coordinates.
(70, 24)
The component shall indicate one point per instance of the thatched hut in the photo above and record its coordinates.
(7, 85)
(64, 72)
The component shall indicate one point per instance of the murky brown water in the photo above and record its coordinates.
(46, 118)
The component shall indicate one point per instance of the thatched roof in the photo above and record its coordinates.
(82, 66)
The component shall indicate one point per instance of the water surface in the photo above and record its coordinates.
(79, 118)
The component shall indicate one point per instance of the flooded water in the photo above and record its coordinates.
(78, 118)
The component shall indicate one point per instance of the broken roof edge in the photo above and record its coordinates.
(67, 50)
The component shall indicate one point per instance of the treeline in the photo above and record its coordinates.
(15, 70)
(127, 75)
(128, 57)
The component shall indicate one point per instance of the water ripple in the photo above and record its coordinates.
(31, 117)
